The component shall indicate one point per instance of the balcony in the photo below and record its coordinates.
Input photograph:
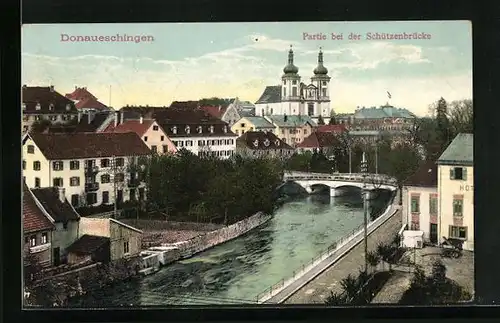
(40, 248)
(133, 182)
(91, 187)
(91, 169)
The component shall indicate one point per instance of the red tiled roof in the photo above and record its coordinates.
(80, 93)
(131, 126)
(260, 140)
(89, 145)
(331, 128)
(215, 111)
(33, 218)
(425, 176)
(91, 103)
(319, 140)
(50, 101)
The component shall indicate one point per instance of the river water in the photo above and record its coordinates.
(237, 271)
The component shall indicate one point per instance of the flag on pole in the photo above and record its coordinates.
(388, 94)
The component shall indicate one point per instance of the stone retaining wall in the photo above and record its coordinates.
(157, 225)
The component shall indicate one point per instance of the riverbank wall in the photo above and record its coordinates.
(171, 252)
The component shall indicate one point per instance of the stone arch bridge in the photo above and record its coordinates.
(340, 183)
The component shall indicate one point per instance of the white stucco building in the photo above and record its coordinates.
(456, 191)
(148, 130)
(86, 165)
(420, 202)
(293, 97)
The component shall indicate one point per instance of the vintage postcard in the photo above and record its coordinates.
(247, 163)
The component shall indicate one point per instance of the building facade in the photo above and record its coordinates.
(292, 129)
(37, 232)
(151, 133)
(420, 202)
(93, 168)
(45, 104)
(293, 97)
(247, 124)
(255, 144)
(456, 191)
(324, 142)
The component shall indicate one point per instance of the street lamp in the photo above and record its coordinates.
(364, 168)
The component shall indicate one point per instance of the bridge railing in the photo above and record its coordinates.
(306, 266)
(354, 177)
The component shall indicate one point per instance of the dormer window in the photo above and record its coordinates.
(267, 142)
(211, 129)
(277, 143)
(174, 130)
(200, 130)
(68, 107)
(225, 129)
(256, 143)
(51, 107)
(24, 106)
(38, 106)
(188, 130)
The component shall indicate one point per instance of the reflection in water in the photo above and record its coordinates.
(235, 272)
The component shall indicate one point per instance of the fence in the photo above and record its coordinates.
(354, 177)
(389, 211)
(306, 266)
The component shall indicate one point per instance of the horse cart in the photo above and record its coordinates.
(452, 248)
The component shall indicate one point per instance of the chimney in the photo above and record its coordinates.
(76, 87)
(141, 119)
(121, 117)
(52, 88)
(62, 196)
(79, 116)
(116, 118)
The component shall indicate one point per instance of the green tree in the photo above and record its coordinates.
(350, 286)
(321, 122)
(373, 259)
(461, 117)
(443, 123)
(336, 299)
(332, 120)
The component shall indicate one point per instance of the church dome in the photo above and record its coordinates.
(290, 68)
(320, 69)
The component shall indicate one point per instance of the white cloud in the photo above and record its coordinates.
(244, 72)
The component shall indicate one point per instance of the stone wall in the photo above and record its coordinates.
(156, 225)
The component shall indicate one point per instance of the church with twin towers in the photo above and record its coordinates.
(293, 97)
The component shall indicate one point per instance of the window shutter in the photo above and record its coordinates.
(464, 173)
(452, 173)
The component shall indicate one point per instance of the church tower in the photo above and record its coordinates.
(322, 82)
(290, 88)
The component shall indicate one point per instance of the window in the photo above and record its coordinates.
(37, 182)
(24, 164)
(74, 181)
(133, 196)
(284, 82)
(91, 198)
(105, 178)
(145, 138)
(458, 206)
(415, 204)
(284, 92)
(24, 106)
(25, 128)
(31, 149)
(68, 107)
(165, 149)
(75, 200)
(458, 173)
(32, 241)
(294, 91)
(458, 232)
(119, 177)
(323, 90)
(45, 238)
(126, 247)
(119, 162)
(105, 162)
(154, 148)
(74, 164)
(57, 165)
(38, 106)
(105, 197)
(162, 138)
(65, 225)
(324, 83)
(242, 125)
(294, 82)
(155, 128)
(433, 205)
(141, 193)
(58, 182)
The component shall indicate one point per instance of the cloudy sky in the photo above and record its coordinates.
(192, 61)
